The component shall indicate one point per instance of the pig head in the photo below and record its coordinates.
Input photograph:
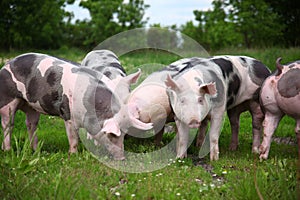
(280, 95)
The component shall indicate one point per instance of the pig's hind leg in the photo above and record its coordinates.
(73, 136)
(32, 120)
(234, 119)
(7, 113)
(257, 125)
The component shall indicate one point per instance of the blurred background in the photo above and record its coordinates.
(215, 24)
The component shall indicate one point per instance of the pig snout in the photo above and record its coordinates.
(194, 123)
(116, 152)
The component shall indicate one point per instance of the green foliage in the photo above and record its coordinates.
(44, 24)
(247, 23)
(29, 23)
(256, 22)
(289, 15)
(111, 17)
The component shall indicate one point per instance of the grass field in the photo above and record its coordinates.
(50, 173)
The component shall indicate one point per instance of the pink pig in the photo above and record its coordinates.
(280, 96)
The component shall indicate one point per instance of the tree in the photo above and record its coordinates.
(256, 21)
(131, 14)
(31, 24)
(110, 17)
(250, 23)
(162, 38)
(214, 30)
(289, 18)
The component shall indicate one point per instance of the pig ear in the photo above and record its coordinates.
(171, 83)
(133, 78)
(208, 88)
(111, 126)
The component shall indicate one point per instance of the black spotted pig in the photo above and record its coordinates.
(38, 83)
(104, 61)
(280, 95)
(206, 88)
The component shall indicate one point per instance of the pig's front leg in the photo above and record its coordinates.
(182, 138)
(214, 133)
(32, 120)
(72, 133)
(270, 124)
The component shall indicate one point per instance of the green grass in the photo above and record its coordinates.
(50, 173)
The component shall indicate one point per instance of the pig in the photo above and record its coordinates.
(206, 88)
(38, 83)
(150, 100)
(279, 96)
(104, 61)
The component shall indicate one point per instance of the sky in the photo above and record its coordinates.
(165, 12)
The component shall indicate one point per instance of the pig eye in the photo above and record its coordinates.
(200, 100)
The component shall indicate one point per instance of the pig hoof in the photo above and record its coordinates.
(263, 157)
(233, 147)
(262, 150)
(119, 158)
(214, 157)
(181, 156)
(255, 150)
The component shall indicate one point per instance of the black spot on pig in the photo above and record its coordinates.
(100, 104)
(50, 103)
(213, 77)
(225, 66)
(24, 66)
(65, 112)
(233, 89)
(108, 74)
(34, 89)
(118, 66)
(100, 53)
(258, 72)
(243, 60)
(289, 85)
(112, 56)
(52, 78)
(105, 103)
